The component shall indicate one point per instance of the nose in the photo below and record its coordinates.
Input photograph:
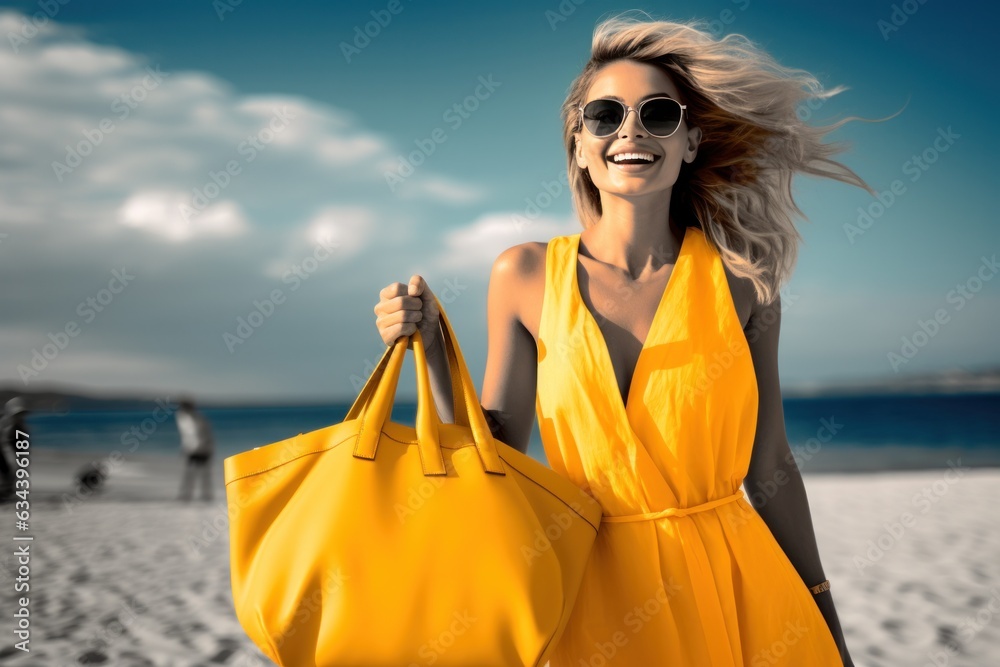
(623, 131)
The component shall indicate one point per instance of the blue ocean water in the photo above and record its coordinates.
(825, 433)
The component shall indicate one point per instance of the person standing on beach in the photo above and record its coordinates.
(197, 445)
(11, 422)
(647, 344)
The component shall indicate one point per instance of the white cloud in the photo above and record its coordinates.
(275, 181)
(333, 235)
(163, 213)
(345, 227)
(82, 60)
(478, 244)
(100, 129)
(440, 188)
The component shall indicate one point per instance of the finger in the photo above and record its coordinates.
(388, 306)
(425, 293)
(405, 303)
(390, 332)
(399, 318)
(416, 285)
(405, 329)
(391, 290)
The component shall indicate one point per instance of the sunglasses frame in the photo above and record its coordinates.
(638, 113)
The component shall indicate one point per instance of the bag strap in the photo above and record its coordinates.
(374, 404)
(459, 407)
(469, 413)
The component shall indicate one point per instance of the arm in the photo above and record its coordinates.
(509, 385)
(440, 376)
(786, 513)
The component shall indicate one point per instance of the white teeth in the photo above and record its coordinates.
(633, 156)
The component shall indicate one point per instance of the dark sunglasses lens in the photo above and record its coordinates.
(602, 117)
(661, 117)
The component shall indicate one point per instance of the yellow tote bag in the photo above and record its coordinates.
(372, 543)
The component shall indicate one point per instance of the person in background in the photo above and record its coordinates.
(12, 421)
(197, 445)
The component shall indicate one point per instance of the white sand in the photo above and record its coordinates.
(118, 577)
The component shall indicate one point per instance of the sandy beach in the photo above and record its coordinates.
(132, 577)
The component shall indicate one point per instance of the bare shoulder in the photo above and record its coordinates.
(744, 296)
(521, 272)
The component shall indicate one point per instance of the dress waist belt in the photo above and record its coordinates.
(673, 511)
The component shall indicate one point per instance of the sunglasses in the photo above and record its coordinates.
(659, 116)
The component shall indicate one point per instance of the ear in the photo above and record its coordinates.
(581, 161)
(694, 140)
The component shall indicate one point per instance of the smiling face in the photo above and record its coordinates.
(633, 82)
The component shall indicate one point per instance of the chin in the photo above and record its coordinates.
(635, 189)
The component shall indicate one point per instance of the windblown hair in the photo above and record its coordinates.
(738, 188)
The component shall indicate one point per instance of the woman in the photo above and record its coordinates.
(647, 346)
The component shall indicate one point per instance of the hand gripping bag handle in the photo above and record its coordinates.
(375, 404)
(459, 406)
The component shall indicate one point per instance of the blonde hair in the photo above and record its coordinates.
(738, 188)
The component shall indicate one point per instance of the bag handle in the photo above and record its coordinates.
(459, 407)
(374, 405)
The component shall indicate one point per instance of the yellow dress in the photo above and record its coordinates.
(684, 572)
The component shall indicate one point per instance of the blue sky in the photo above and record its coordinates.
(210, 80)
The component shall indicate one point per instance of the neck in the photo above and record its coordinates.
(637, 236)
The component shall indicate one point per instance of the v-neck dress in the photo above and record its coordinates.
(683, 571)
